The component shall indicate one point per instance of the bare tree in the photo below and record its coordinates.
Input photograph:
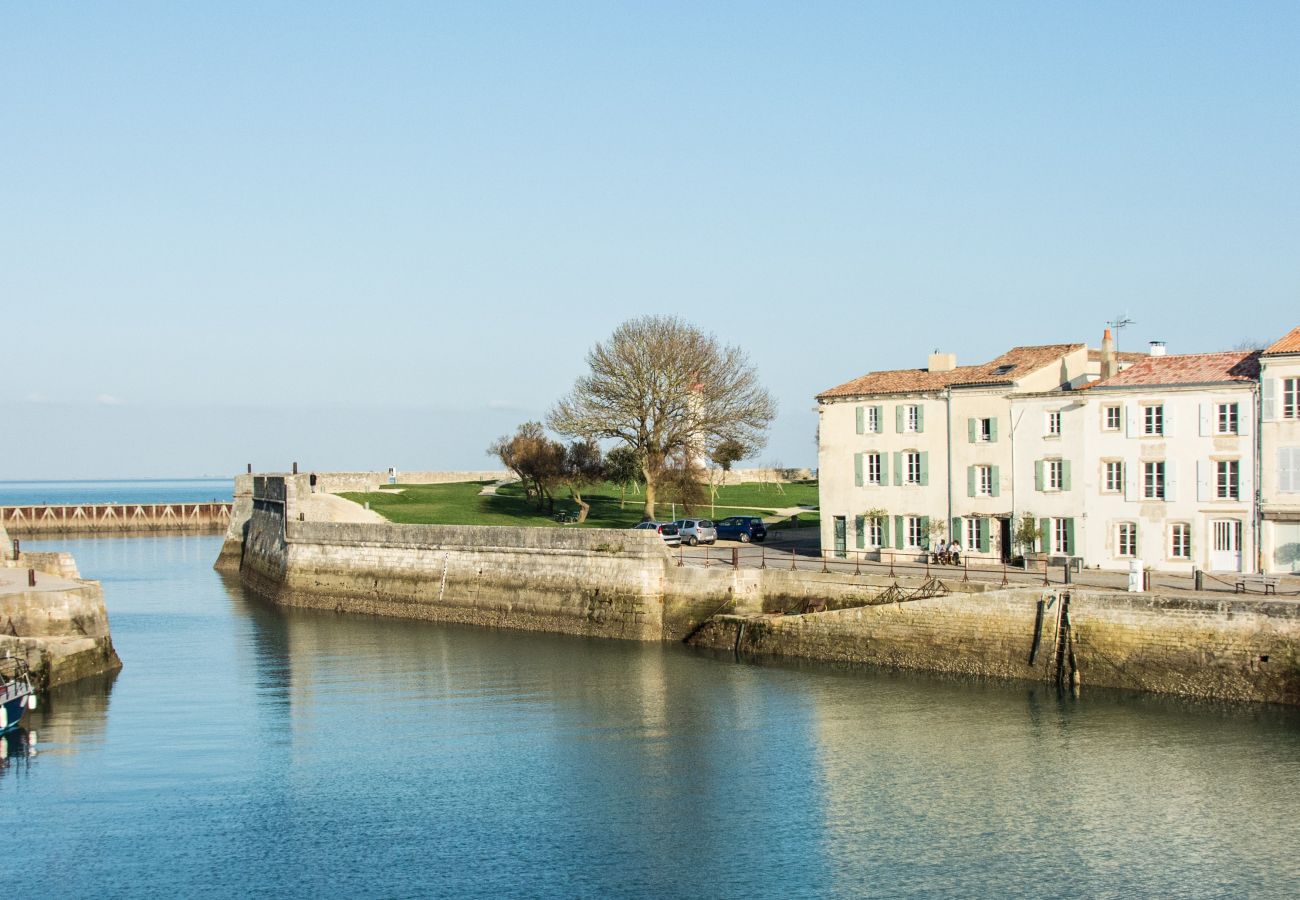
(664, 387)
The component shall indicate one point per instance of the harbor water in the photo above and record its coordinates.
(247, 750)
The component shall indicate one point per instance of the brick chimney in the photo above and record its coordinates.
(1109, 363)
(942, 362)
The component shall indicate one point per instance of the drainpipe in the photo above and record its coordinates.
(1257, 476)
(947, 397)
(1015, 423)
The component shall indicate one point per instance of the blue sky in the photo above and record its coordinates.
(361, 235)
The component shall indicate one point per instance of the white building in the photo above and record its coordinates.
(1280, 455)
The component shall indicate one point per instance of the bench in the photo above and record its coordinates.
(1267, 584)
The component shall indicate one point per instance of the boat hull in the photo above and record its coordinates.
(13, 713)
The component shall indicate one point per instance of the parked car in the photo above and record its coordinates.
(742, 528)
(696, 531)
(666, 530)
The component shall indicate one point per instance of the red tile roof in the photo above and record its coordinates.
(1290, 343)
(1187, 368)
(1094, 355)
(1013, 364)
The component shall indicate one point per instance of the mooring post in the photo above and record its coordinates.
(295, 468)
(1198, 579)
(250, 468)
(735, 557)
(31, 578)
(15, 549)
(1069, 578)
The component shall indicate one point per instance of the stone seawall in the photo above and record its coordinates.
(1193, 646)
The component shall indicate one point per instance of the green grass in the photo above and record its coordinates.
(461, 504)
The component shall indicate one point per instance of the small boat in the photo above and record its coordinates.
(16, 692)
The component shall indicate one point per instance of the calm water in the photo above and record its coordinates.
(153, 490)
(249, 751)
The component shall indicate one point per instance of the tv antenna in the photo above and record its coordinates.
(1119, 322)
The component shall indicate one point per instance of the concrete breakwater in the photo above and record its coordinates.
(59, 624)
(624, 584)
(114, 518)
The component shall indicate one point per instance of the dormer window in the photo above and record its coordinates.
(1004, 369)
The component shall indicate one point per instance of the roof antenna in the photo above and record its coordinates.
(1117, 324)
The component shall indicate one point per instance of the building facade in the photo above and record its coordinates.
(1280, 455)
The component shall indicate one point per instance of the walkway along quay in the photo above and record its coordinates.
(626, 584)
(115, 518)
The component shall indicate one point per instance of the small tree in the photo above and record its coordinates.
(684, 482)
(535, 458)
(1026, 533)
(726, 454)
(623, 468)
(938, 528)
(582, 466)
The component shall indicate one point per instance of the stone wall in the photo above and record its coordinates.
(60, 626)
(1193, 646)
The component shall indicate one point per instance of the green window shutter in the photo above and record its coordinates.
(925, 468)
(898, 418)
(880, 419)
(862, 419)
(884, 468)
(1045, 535)
(920, 418)
(984, 535)
(997, 481)
(1038, 474)
(925, 532)
(993, 430)
(1069, 537)
(884, 531)
(898, 532)
(857, 469)
(955, 533)
(970, 481)
(972, 430)
(898, 468)
(1065, 474)
(860, 523)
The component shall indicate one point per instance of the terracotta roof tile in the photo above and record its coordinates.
(1289, 343)
(1011, 365)
(1187, 368)
(1094, 355)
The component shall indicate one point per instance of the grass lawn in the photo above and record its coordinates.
(462, 504)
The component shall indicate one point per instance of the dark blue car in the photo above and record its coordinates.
(741, 528)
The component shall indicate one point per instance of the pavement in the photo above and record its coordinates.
(321, 507)
(14, 581)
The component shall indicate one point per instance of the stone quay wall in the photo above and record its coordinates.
(1186, 645)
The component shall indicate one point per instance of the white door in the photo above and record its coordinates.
(1225, 553)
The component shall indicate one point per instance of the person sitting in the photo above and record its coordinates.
(954, 552)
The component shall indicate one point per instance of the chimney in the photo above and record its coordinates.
(1157, 348)
(1108, 361)
(942, 362)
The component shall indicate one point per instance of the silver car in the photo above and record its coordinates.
(697, 531)
(666, 530)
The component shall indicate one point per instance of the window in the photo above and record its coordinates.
(1226, 418)
(1054, 479)
(873, 468)
(873, 419)
(972, 534)
(912, 464)
(984, 481)
(914, 538)
(1054, 423)
(1061, 537)
(1153, 481)
(985, 433)
(911, 418)
(1291, 398)
(1153, 421)
(1126, 539)
(1288, 469)
(1227, 479)
(875, 533)
(1112, 418)
(1114, 477)
(1180, 541)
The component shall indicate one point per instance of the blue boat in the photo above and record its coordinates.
(16, 692)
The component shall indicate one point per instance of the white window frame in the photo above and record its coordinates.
(875, 532)
(873, 420)
(1291, 398)
(1227, 419)
(972, 530)
(1053, 426)
(911, 467)
(1180, 540)
(1060, 537)
(873, 468)
(1054, 477)
(984, 481)
(1126, 539)
(911, 418)
(1112, 411)
(984, 434)
(1227, 479)
(1153, 480)
(914, 539)
(1112, 485)
(1153, 419)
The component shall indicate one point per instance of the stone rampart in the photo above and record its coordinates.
(1193, 646)
(59, 625)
